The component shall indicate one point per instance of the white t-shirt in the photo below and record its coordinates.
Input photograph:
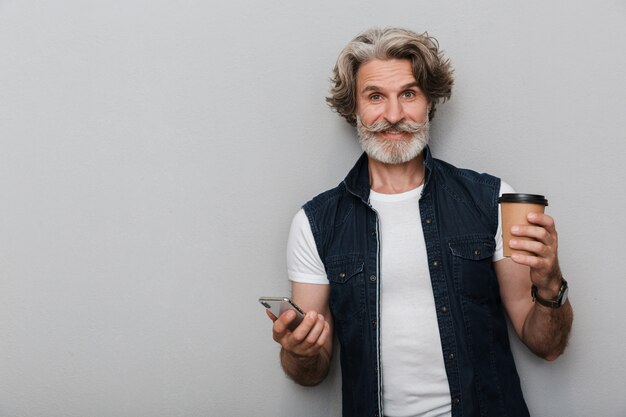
(413, 371)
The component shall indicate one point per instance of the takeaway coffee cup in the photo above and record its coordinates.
(515, 208)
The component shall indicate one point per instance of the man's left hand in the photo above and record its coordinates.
(543, 260)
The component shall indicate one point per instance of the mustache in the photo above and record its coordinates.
(404, 126)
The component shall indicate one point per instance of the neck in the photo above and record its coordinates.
(396, 178)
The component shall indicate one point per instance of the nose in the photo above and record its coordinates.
(394, 112)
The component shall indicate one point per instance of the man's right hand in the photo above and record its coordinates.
(307, 339)
(306, 351)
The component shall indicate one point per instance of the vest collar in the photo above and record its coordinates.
(357, 181)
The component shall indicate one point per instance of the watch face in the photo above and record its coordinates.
(563, 296)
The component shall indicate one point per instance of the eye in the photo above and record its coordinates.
(376, 97)
(409, 94)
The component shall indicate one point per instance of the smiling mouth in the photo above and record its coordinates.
(393, 133)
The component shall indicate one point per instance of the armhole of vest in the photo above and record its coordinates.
(315, 231)
(315, 204)
(496, 204)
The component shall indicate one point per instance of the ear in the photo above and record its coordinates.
(429, 111)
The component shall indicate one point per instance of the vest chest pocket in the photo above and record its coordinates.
(347, 286)
(473, 272)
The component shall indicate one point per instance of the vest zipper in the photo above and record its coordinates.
(378, 347)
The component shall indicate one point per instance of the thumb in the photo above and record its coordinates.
(270, 315)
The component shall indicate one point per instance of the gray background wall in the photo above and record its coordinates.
(153, 153)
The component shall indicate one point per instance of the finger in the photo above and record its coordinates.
(281, 325)
(533, 262)
(535, 247)
(316, 338)
(321, 341)
(302, 331)
(278, 332)
(543, 220)
(316, 331)
(534, 232)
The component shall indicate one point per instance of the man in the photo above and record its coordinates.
(403, 260)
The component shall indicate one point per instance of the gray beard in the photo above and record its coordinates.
(395, 151)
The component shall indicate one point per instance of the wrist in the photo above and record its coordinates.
(550, 287)
(305, 370)
(302, 359)
(550, 291)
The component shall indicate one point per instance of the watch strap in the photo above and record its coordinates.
(556, 303)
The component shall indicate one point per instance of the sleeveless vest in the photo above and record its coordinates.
(459, 214)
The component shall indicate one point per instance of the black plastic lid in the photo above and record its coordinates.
(523, 198)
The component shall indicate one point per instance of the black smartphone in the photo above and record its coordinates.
(278, 305)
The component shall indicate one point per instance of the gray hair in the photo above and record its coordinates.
(432, 71)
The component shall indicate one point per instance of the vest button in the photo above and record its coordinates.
(444, 309)
(436, 263)
(476, 252)
(451, 356)
(456, 401)
(342, 275)
(373, 278)
(429, 221)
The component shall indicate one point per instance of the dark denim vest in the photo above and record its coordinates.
(459, 213)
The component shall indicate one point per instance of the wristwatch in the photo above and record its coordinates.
(561, 297)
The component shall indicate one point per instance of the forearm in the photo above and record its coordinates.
(546, 330)
(305, 370)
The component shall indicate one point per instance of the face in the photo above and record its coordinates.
(392, 111)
